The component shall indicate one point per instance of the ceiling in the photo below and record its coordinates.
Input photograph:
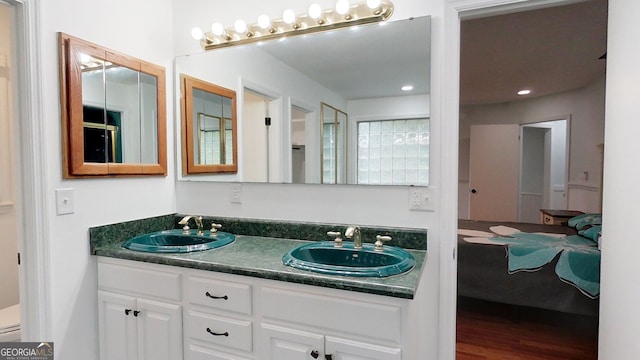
(549, 51)
(368, 61)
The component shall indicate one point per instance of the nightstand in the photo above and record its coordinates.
(557, 217)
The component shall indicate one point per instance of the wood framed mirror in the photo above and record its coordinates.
(209, 128)
(113, 112)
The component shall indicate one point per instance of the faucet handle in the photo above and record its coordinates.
(379, 239)
(215, 227)
(185, 229)
(337, 240)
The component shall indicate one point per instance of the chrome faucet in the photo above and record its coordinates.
(354, 232)
(185, 222)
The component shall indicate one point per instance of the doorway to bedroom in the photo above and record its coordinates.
(557, 54)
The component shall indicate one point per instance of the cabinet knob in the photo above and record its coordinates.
(127, 311)
(328, 357)
(216, 297)
(315, 354)
(473, 191)
(136, 313)
(226, 333)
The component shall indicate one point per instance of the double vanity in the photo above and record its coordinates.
(264, 290)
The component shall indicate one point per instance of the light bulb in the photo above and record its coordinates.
(373, 4)
(264, 22)
(197, 33)
(240, 26)
(289, 16)
(315, 11)
(342, 7)
(217, 29)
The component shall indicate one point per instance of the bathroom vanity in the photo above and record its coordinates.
(241, 302)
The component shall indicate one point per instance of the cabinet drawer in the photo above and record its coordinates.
(219, 330)
(219, 294)
(195, 352)
(152, 284)
(368, 319)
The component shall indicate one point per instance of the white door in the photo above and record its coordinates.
(117, 326)
(279, 343)
(159, 330)
(493, 172)
(344, 349)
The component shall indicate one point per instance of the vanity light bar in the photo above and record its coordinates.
(362, 13)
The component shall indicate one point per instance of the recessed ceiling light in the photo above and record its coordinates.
(524, 92)
(407, 88)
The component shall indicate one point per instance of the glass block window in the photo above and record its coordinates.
(393, 152)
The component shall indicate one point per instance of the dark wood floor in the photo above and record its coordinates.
(495, 331)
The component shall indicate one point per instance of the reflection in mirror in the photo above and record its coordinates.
(333, 161)
(113, 112)
(208, 127)
(358, 71)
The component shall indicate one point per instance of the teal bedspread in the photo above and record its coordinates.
(578, 263)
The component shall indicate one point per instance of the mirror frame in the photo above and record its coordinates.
(74, 165)
(187, 85)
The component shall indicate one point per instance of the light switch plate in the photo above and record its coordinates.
(64, 201)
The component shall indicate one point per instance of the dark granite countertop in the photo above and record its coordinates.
(261, 257)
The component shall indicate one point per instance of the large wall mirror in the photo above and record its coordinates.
(287, 89)
(209, 142)
(113, 112)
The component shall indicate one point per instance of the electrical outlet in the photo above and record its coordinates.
(419, 199)
(236, 193)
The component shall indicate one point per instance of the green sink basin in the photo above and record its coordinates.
(176, 241)
(323, 257)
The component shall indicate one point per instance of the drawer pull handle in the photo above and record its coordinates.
(328, 357)
(226, 333)
(216, 297)
(127, 311)
(315, 354)
(135, 313)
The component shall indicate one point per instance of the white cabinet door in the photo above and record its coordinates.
(132, 328)
(117, 326)
(345, 349)
(159, 330)
(279, 343)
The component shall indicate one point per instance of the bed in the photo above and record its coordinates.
(486, 266)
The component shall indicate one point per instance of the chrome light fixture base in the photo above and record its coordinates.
(358, 14)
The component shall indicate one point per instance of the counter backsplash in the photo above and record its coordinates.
(106, 235)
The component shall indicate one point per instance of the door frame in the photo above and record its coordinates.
(567, 119)
(447, 65)
(33, 237)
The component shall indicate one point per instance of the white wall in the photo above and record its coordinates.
(143, 31)
(345, 204)
(620, 289)
(585, 107)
